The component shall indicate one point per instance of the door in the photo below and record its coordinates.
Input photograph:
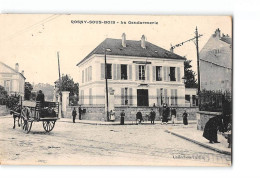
(142, 97)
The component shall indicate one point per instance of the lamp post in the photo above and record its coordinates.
(107, 112)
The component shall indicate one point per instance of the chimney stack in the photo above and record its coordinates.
(17, 67)
(123, 40)
(217, 33)
(171, 49)
(143, 41)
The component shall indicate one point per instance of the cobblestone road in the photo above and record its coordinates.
(85, 144)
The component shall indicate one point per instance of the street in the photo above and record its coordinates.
(85, 144)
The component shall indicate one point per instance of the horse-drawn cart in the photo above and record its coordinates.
(34, 111)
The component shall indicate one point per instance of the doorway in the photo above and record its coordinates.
(142, 97)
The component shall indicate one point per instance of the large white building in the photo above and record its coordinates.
(11, 79)
(139, 74)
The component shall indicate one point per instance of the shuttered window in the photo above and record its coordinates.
(90, 73)
(130, 72)
(164, 74)
(123, 72)
(114, 72)
(165, 96)
(158, 97)
(178, 74)
(102, 71)
(130, 96)
(154, 73)
(148, 72)
(86, 74)
(118, 70)
(82, 76)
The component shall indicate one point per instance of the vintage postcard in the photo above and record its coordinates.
(143, 90)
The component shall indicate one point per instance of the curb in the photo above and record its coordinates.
(199, 143)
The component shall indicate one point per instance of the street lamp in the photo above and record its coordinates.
(106, 50)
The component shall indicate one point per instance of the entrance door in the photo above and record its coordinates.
(142, 97)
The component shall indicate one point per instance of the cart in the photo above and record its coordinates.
(34, 111)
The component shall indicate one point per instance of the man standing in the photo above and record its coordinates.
(173, 115)
(139, 117)
(185, 118)
(80, 111)
(122, 115)
(74, 114)
(152, 115)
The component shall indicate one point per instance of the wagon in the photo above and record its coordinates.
(35, 111)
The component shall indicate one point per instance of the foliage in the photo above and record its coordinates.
(12, 101)
(190, 82)
(68, 84)
(27, 90)
(3, 95)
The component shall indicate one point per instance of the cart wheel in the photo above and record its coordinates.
(27, 126)
(48, 125)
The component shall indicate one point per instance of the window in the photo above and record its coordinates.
(187, 97)
(141, 72)
(82, 76)
(158, 73)
(123, 72)
(109, 71)
(172, 74)
(142, 97)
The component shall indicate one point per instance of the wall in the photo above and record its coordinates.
(97, 113)
(203, 117)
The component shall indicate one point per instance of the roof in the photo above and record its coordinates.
(133, 48)
(12, 69)
(226, 39)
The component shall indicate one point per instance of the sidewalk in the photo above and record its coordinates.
(84, 121)
(191, 134)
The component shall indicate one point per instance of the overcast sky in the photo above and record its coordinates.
(33, 40)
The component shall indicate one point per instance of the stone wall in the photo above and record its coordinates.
(98, 113)
(4, 110)
(203, 117)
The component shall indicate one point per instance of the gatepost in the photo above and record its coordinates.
(65, 102)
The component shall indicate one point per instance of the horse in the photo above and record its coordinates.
(16, 112)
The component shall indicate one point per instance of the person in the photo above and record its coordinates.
(211, 129)
(74, 114)
(112, 115)
(165, 114)
(152, 115)
(185, 118)
(80, 111)
(173, 115)
(139, 117)
(122, 115)
(40, 97)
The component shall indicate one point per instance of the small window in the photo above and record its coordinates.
(109, 71)
(141, 72)
(123, 72)
(158, 73)
(172, 74)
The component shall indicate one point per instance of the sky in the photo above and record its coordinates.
(33, 40)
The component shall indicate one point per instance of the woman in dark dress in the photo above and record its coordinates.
(185, 118)
(211, 129)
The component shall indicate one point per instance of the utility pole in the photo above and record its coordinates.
(198, 58)
(106, 85)
(59, 85)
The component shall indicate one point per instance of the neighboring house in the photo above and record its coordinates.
(216, 63)
(139, 74)
(11, 79)
(191, 97)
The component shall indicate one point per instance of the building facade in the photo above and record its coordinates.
(139, 74)
(11, 79)
(216, 63)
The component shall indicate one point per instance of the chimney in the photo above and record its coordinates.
(217, 33)
(22, 72)
(123, 40)
(143, 41)
(17, 67)
(171, 49)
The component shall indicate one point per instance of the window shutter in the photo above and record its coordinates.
(136, 72)
(164, 74)
(148, 72)
(158, 97)
(130, 72)
(86, 74)
(165, 96)
(172, 97)
(154, 73)
(122, 96)
(178, 74)
(114, 72)
(176, 97)
(82, 76)
(118, 71)
(102, 71)
(168, 73)
(90, 95)
(130, 96)
(90, 73)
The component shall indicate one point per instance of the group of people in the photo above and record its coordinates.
(74, 113)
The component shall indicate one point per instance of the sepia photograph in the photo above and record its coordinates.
(113, 90)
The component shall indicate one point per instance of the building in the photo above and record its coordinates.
(139, 74)
(216, 63)
(11, 79)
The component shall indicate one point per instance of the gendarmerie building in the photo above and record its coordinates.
(139, 74)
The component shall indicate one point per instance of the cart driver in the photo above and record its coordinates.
(40, 97)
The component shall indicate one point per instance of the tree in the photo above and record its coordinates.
(27, 90)
(68, 84)
(3, 95)
(190, 82)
